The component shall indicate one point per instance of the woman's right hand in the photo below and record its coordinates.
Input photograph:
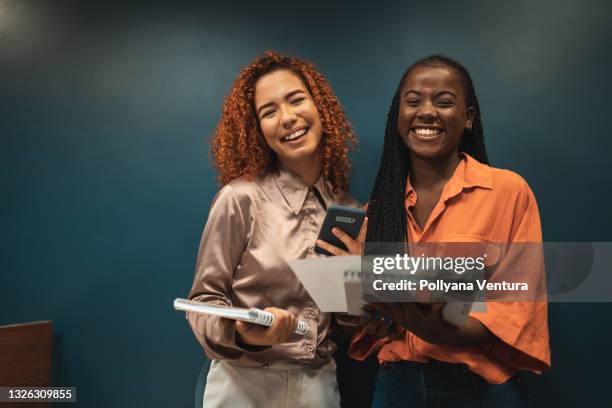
(281, 331)
(378, 325)
(354, 246)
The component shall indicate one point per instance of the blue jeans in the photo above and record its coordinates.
(437, 384)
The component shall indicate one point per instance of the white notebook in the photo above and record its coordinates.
(252, 315)
(334, 283)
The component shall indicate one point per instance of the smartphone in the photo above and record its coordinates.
(348, 219)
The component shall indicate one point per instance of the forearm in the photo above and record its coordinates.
(470, 332)
(345, 325)
(216, 335)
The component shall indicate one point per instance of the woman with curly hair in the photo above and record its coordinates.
(281, 151)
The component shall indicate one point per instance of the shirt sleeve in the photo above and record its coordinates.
(521, 327)
(223, 241)
(363, 345)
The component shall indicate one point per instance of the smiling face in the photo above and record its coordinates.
(433, 112)
(288, 117)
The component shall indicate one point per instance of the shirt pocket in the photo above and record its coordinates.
(476, 260)
(472, 246)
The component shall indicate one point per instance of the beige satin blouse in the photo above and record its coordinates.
(254, 228)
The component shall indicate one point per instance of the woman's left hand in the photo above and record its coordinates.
(377, 325)
(354, 246)
(426, 321)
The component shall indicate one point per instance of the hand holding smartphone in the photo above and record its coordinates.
(347, 219)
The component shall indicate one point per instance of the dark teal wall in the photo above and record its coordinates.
(106, 183)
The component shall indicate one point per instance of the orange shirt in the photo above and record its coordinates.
(478, 204)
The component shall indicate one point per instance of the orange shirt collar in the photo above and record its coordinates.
(469, 173)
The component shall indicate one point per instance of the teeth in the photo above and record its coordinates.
(426, 131)
(295, 135)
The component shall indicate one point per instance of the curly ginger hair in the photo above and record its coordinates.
(238, 145)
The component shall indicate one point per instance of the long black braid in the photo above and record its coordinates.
(387, 218)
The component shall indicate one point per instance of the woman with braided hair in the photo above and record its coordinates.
(281, 151)
(434, 184)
